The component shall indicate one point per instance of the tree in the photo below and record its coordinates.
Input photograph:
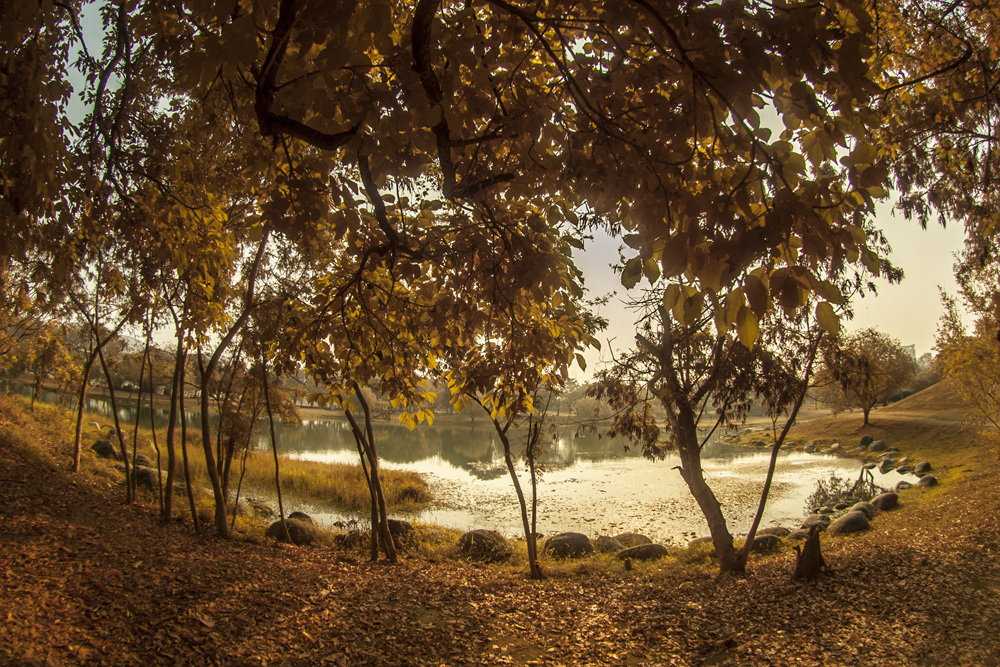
(869, 366)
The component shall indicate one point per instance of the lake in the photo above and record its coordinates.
(590, 484)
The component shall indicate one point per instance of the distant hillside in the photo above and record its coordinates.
(940, 397)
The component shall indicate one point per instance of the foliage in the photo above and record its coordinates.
(869, 366)
(843, 490)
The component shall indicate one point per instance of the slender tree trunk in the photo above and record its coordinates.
(534, 567)
(82, 398)
(135, 428)
(176, 389)
(867, 410)
(221, 520)
(118, 426)
(152, 429)
(274, 448)
(195, 519)
(367, 439)
(743, 555)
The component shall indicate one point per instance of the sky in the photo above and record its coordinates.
(908, 311)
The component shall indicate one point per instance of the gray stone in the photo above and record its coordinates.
(821, 520)
(780, 531)
(302, 533)
(569, 545)
(147, 477)
(486, 546)
(922, 467)
(810, 448)
(105, 450)
(906, 460)
(605, 544)
(886, 501)
(835, 447)
(841, 506)
(851, 522)
(643, 552)
(632, 539)
(902, 470)
(865, 441)
(903, 486)
(143, 460)
(927, 480)
(868, 509)
(826, 510)
(869, 466)
(766, 543)
(886, 465)
(302, 516)
(261, 508)
(799, 534)
(759, 443)
(877, 446)
(701, 541)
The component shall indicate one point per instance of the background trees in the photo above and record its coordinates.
(869, 368)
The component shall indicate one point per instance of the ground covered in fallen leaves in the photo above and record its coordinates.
(85, 579)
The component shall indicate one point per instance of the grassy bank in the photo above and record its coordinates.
(336, 485)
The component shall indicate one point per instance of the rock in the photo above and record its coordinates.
(835, 447)
(927, 481)
(810, 448)
(886, 501)
(903, 486)
(780, 531)
(143, 460)
(869, 466)
(868, 509)
(766, 543)
(841, 506)
(643, 552)
(799, 534)
(569, 545)
(877, 446)
(485, 546)
(605, 544)
(851, 522)
(261, 508)
(302, 516)
(886, 465)
(821, 520)
(826, 510)
(904, 461)
(402, 532)
(902, 470)
(759, 443)
(301, 532)
(629, 540)
(147, 477)
(105, 450)
(922, 467)
(865, 441)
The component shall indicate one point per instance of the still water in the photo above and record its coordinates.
(589, 484)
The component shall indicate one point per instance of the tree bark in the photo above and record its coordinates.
(809, 562)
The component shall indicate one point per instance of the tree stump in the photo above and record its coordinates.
(809, 562)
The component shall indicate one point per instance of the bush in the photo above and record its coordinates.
(843, 490)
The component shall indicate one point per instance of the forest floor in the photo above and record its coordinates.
(86, 579)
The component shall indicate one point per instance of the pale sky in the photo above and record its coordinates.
(908, 311)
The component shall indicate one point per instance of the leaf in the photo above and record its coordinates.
(827, 318)
(747, 327)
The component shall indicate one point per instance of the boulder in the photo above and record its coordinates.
(569, 545)
(835, 447)
(799, 534)
(922, 467)
(869, 466)
(402, 532)
(301, 532)
(886, 465)
(902, 470)
(851, 522)
(147, 477)
(766, 543)
(906, 460)
(759, 443)
(643, 552)
(485, 546)
(927, 481)
(632, 539)
(886, 501)
(903, 486)
(261, 508)
(877, 446)
(105, 450)
(841, 506)
(865, 441)
(868, 509)
(810, 448)
(302, 516)
(821, 520)
(780, 531)
(605, 544)
(699, 541)
(240, 508)
(143, 460)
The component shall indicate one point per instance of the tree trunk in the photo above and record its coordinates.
(867, 411)
(380, 516)
(809, 562)
(711, 509)
(534, 567)
(274, 449)
(118, 426)
(177, 387)
(221, 519)
(78, 442)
